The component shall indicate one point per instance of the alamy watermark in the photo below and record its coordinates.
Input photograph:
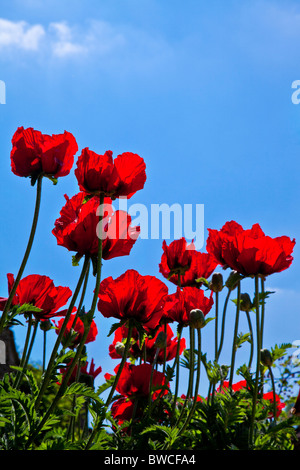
(161, 221)
(2, 92)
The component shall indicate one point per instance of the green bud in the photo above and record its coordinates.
(245, 304)
(196, 318)
(161, 340)
(232, 280)
(266, 357)
(216, 284)
(45, 325)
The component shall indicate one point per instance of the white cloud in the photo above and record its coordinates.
(20, 34)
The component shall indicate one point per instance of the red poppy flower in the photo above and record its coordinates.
(40, 292)
(185, 300)
(76, 330)
(101, 174)
(77, 228)
(34, 153)
(132, 295)
(135, 380)
(250, 252)
(181, 258)
(122, 410)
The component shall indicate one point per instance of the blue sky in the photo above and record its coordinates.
(202, 91)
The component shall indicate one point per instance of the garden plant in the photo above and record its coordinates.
(157, 330)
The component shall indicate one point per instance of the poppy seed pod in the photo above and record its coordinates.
(246, 303)
(266, 357)
(196, 318)
(216, 283)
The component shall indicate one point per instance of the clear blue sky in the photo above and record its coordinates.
(201, 90)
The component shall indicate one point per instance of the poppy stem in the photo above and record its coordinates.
(124, 357)
(251, 343)
(151, 379)
(191, 373)
(234, 346)
(262, 312)
(26, 254)
(216, 323)
(223, 324)
(61, 332)
(190, 415)
(257, 361)
(112, 391)
(26, 343)
(274, 393)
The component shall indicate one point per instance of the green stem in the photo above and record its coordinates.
(151, 380)
(262, 312)
(274, 393)
(190, 415)
(257, 362)
(61, 333)
(191, 374)
(234, 346)
(26, 343)
(124, 358)
(216, 323)
(44, 349)
(223, 324)
(112, 391)
(251, 343)
(26, 255)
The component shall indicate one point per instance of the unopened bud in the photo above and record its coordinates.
(45, 325)
(232, 280)
(245, 304)
(216, 284)
(196, 318)
(266, 357)
(161, 340)
(119, 347)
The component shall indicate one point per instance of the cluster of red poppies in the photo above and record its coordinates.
(131, 298)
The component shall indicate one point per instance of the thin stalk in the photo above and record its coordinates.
(262, 312)
(190, 415)
(191, 374)
(61, 333)
(44, 349)
(223, 324)
(257, 362)
(274, 393)
(251, 343)
(234, 347)
(216, 323)
(26, 344)
(112, 391)
(124, 357)
(26, 254)
(151, 378)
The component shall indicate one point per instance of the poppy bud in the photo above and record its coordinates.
(266, 357)
(232, 280)
(161, 340)
(196, 318)
(45, 325)
(246, 303)
(119, 347)
(216, 284)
